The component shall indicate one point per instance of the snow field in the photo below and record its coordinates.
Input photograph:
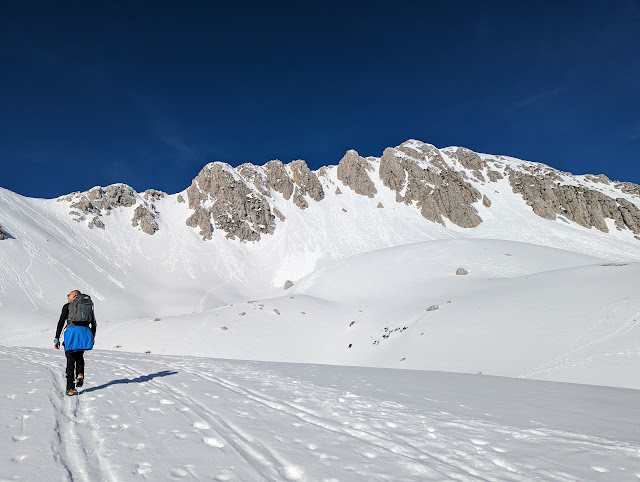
(552, 314)
(154, 417)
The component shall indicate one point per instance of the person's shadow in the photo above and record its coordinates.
(140, 379)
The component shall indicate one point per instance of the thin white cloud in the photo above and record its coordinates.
(526, 102)
(177, 144)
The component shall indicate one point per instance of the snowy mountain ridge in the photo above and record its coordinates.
(449, 184)
(423, 258)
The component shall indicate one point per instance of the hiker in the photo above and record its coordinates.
(78, 314)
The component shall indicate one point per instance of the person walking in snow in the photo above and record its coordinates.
(79, 335)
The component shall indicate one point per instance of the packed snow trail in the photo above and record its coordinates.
(170, 417)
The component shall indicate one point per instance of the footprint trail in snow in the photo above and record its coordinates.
(172, 417)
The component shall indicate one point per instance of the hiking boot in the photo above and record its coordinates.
(71, 392)
(79, 380)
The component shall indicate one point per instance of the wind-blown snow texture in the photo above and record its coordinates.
(374, 285)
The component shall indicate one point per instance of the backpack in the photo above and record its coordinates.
(80, 311)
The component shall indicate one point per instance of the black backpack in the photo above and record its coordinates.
(80, 311)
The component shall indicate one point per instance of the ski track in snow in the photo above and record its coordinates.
(166, 418)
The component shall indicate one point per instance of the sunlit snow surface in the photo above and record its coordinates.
(165, 418)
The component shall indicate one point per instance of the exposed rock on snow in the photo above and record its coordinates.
(628, 188)
(236, 208)
(391, 171)
(352, 171)
(146, 217)
(461, 271)
(84, 206)
(277, 212)
(288, 284)
(307, 184)
(2, 234)
(255, 176)
(96, 222)
(584, 206)
(101, 201)
(151, 195)
(470, 160)
(433, 308)
(442, 184)
(600, 178)
(113, 196)
(278, 179)
(439, 191)
(201, 218)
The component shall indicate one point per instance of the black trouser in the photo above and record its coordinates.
(75, 365)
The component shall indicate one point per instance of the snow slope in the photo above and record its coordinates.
(146, 417)
(522, 311)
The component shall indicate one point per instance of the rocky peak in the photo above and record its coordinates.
(418, 173)
(307, 184)
(278, 179)
(223, 200)
(353, 172)
(100, 201)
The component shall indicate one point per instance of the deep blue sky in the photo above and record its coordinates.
(146, 93)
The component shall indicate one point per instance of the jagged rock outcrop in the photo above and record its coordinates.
(145, 216)
(101, 201)
(442, 184)
(84, 206)
(278, 214)
(438, 190)
(251, 174)
(589, 208)
(236, 209)
(307, 184)
(391, 171)
(600, 178)
(628, 188)
(96, 222)
(352, 171)
(278, 178)
(201, 218)
(151, 195)
(113, 196)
